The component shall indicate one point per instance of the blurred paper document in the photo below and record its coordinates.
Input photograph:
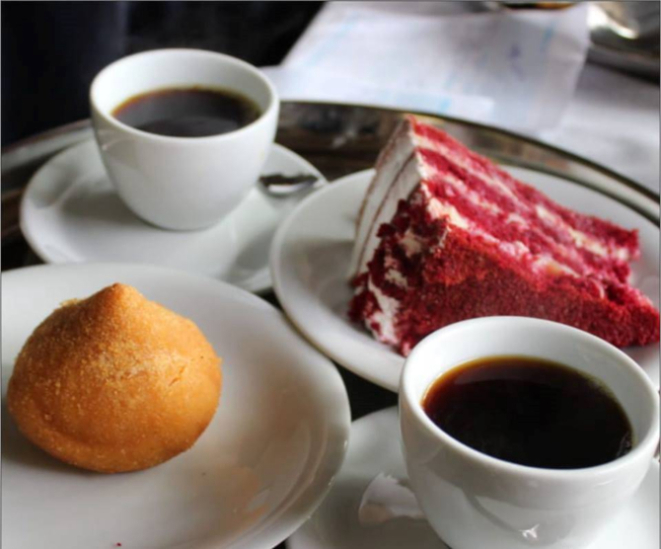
(513, 69)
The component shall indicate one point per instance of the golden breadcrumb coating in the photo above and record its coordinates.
(115, 382)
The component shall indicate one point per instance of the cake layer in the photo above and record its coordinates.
(535, 230)
(446, 235)
(476, 195)
(388, 186)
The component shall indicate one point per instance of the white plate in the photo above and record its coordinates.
(71, 214)
(371, 505)
(310, 260)
(259, 470)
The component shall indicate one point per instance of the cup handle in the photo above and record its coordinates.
(283, 192)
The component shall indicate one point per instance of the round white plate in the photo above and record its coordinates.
(258, 471)
(310, 261)
(71, 214)
(371, 504)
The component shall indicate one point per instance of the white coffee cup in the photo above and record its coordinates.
(475, 501)
(182, 183)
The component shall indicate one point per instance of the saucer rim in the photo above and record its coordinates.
(263, 281)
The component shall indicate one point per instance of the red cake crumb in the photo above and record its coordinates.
(467, 240)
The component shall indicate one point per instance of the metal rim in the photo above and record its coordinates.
(46, 135)
(84, 123)
(511, 134)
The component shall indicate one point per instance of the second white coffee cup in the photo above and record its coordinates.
(475, 501)
(182, 183)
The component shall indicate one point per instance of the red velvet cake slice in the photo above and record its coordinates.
(445, 235)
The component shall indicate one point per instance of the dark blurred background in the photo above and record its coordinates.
(52, 50)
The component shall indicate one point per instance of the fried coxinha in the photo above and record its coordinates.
(115, 382)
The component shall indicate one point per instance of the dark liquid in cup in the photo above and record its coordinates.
(188, 112)
(531, 412)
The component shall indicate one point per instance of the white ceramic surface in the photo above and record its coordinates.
(474, 500)
(182, 183)
(311, 252)
(71, 214)
(371, 504)
(258, 471)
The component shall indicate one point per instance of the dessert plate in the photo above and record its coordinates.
(259, 470)
(371, 504)
(310, 261)
(70, 213)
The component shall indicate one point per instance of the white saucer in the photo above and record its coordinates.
(258, 471)
(71, 214)
(371, 505)
(312, 248)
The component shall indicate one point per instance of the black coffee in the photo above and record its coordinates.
(187, 112)
(530, 412)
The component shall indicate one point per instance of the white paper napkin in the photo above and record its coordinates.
(512, 69)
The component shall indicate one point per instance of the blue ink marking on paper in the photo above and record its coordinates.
(444, 105)
(515, 52)
(547, 36)
(329, 45)
(449, 80)
(513, 57)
